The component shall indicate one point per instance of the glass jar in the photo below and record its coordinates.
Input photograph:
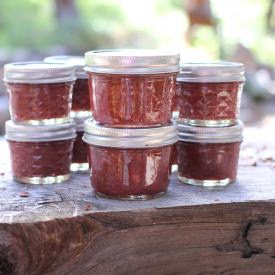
(40, 93)
(80, 150)
(208, 156)
(81, 99)
(132, 88)
(208, 94)
(130, 164)
(40, 154)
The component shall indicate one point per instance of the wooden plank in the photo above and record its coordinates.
(66, 229)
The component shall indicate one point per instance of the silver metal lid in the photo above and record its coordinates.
(211, 134)
(79, 121)
(77, 61)
(132, 61)
(212, 72)
(38, 72)
(17, 132)
(95, 134)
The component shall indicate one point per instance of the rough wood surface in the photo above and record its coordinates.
(66, 229)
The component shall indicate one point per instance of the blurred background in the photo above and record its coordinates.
(235, 30)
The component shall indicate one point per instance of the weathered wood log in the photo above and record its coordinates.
(66, 229)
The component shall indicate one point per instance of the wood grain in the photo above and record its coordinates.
(66, 229)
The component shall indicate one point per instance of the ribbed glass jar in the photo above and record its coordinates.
(130, 164)
(40, 93)
(132, 88)
(40, 154)
(208, 94)
(208, 156)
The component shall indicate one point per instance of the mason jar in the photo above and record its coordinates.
(40, 154)
(209, 94)
(39, 93)
(132, 88)
(208, 156)
(130, 164)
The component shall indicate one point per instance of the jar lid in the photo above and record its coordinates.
(38, 72)
(212, 72)
(77, 61)
(211, 134)
(126, 61)
(95, 134)
(25, 133)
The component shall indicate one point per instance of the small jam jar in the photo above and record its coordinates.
(132, 88)
(131, 164)
(80, 149)
(81, 100)
(40, 154)
(208, 156)
(208, 94)
(40, 93)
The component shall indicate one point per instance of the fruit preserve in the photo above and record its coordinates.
(130, 163)
(40, 154)
(40, 93)
(80, 100)
(208, 94)
(208, 156)
(132, 88)
(80, 149)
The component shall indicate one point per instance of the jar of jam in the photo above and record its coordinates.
(208, 156)
(208, 94)
(40, 93)
(132, 88)
(40, 154)
(81, 100)
(80, 149)
(131, 164)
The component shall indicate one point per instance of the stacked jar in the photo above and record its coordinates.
(41, 133)
(131, 137)
(80, 107)
(210, 132)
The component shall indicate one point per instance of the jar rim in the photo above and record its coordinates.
(132, 61)
(38, 72)
(99, 135)
(216, 71)
(27, 133)
(199, 134)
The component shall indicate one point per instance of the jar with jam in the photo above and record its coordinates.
(208, 94)
(132, 88)
(131, 164)
(40, 93)
(80, 100)
(80, 149)
(40, 154)
(208, 156)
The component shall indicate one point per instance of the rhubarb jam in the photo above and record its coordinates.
(130, 164)
(40, 93)
(131, 89)
(80, 99)
(208, 156)
(80, 149)
(208, 94)
(40, 154)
